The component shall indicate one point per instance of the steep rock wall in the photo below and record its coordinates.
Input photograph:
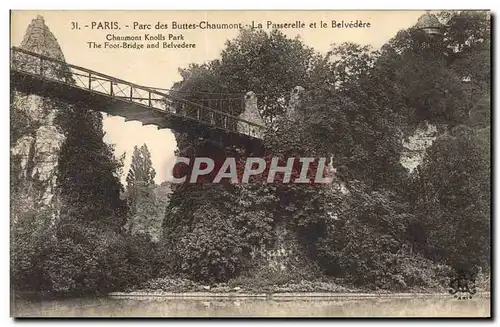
(36, 148)
(415, 145)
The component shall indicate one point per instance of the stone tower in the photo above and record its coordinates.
(251, 113)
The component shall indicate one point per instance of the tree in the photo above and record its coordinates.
(444, 80)
(352, 116)
(87, 177)
(92, 212)
(451, 195)
(83, 252)
(140, 177)
(269, 64)
(357, 107)
(469, 42)
(146, 206)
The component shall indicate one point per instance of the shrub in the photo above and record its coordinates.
(81, 260)
(214, 241)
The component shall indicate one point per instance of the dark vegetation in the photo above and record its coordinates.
(392, 230)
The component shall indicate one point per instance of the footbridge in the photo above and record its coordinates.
(33, 73)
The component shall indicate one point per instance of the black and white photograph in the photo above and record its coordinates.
(250, 163)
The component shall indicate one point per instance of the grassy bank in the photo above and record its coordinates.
(256, 286)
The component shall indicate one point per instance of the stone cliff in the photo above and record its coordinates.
(415, 145)
(36, 144)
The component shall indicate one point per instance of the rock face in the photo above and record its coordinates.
(36, 149)
(415, 146)
(38, 38)
(251, 114)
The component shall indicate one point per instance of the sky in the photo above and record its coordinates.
(159, 67)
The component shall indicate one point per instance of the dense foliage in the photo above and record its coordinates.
(385, 229)
(83, 250)
(451, 199)
(376, 226)
(146, 200)
(269, 64)
(140, 177)
(211, 234)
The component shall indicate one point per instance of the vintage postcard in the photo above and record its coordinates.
(250, 163)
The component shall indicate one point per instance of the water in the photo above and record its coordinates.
(438, 306)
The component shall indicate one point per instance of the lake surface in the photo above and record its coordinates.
(438, 306)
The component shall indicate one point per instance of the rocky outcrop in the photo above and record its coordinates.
(414, 147)
(292, 111)
(38, 38)
(251, 114)
(38, 144)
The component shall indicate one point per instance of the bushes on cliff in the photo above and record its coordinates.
(83, 251)
(73, 260)
(372, 101)
(88, 184)
(451, 198)
(357, 105)
(211, 231)
(213, 248)
(30, 238)
(267, 63)
(366, 243)
(220, 228)
(99, 262)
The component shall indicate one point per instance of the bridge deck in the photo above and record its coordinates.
(96, 91)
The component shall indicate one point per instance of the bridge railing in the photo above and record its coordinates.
(76, 76)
